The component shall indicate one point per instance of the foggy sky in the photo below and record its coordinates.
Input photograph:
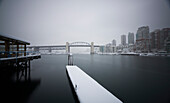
(45, 22)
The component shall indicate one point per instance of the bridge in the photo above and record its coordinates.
(66, 47)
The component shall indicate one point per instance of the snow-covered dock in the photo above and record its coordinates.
(87, 89)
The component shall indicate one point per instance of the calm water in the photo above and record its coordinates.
(132, 79)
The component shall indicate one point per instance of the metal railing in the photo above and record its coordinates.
(8, 54)
(16, 55)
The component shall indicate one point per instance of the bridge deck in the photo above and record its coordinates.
(87, 89)
(51, 46)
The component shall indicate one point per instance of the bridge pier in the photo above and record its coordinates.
(67, 47)
(92, 48)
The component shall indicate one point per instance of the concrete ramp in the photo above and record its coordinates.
(87, 89)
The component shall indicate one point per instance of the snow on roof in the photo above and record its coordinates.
(13, 38)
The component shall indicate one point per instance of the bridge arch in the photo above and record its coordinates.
(79, 43)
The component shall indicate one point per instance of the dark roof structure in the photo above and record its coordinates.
(7, 37)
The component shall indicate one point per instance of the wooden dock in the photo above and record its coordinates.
(28, 57)
(87, 89)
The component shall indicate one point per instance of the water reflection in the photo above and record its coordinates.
(16, 83)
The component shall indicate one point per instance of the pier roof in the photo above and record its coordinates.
(7, 37)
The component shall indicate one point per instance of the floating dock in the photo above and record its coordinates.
(87, 89)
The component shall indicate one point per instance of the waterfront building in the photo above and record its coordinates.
(113, 42)
(142, 39)
(108, 48)
(12, 46)
(119, 48)
(131, 47)
(123, 39)
(122, 48)
(130, 38)
(155, 40)
(102, 49)
(165, 39)
(113, 45)
(159, 40)
(167, 45)
(152, 41)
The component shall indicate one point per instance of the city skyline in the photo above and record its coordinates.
(48, 22)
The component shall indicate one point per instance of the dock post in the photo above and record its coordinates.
(29, 67)
(25, 70)
(70, 59)
(17, 75)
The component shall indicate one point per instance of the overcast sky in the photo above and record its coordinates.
(46, 22)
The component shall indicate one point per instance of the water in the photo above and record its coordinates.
(132, 79)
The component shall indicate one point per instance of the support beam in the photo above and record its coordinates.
(29, 70)
(17, 50)
(25, 70)
(6, 48)
(25, 49)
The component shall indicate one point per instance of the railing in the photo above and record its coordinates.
(7, 54)
(16, 55)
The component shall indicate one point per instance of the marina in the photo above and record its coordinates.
(81, 51)
(17, 62)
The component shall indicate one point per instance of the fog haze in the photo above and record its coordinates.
(46, 22)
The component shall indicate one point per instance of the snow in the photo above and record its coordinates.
(12, 37)
(87, 89)
(19, 57)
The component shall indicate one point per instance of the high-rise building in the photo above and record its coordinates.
(113, 42)
(142, 33)
(167, 44)
(152, 41)
(130, 38)
(142, 39)
(155, 39)
(123, 39)
(165, 39)
(159, 39)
